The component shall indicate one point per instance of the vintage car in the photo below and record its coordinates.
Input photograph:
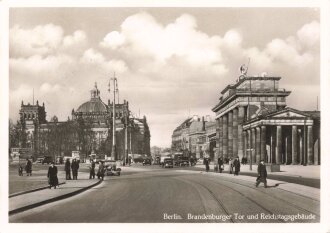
(146, 161)
(111, 168)
(168, 162)
(47, 159)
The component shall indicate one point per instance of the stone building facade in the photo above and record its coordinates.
(196, 136)
(97, 116)
(254, 122)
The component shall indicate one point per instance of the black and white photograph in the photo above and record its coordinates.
(166, 114)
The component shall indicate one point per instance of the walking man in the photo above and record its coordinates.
(28, 167)
(237, 166)
(262, 174)
(75, 167)
(92, 170)
(67, 169)
(101, 171)
(52, 176)
(221, 165)
(207, 164)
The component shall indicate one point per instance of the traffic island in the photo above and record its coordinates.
(20, 203)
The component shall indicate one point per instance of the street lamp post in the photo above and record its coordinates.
(115, 90)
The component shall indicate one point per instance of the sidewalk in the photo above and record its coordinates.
(301, 190)
(311, 171)
(27, 200)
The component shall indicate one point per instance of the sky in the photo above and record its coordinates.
(171, 63)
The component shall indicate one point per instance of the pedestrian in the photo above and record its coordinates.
(221, 165)
(230, 163)
(28, 167)
(92, 170)
(101, 170)
(262, 174)
(67, 168)
(75, 167)
(207, 164)
(52, 176)
(20, 170)
(237, 166)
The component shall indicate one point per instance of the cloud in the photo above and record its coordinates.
(143, 36)
(40, 40)
(78, 37)
(38, 63)
(47, 88)
(163, 69)
(309, 34)
(93, 57)
(113, 40)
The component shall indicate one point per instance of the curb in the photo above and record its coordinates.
(30, 191)
(24, 208)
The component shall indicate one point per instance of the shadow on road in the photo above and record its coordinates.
(276, 185)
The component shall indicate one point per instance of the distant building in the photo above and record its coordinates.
(196, 136)
(89, 129)
(253, 121)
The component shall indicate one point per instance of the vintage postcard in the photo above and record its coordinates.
(180, 117)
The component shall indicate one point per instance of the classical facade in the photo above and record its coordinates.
(253, 121)
(89, 129)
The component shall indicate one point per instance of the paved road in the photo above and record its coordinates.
(174, 195)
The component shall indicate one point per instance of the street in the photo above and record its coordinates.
(146, 194)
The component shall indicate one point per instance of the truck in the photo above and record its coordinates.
(180, 160)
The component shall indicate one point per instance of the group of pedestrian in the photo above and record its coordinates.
(27, 168)
(234, 165)
(74, 166)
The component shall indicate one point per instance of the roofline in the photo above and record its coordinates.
(230, 86)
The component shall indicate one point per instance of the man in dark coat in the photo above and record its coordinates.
(52, 176)
(75, 167)
(28, 167)
(101, 171)
(92, 170)
(262, 174)
(207, 164)
(67, 169)
(237, 166)
(221, 165)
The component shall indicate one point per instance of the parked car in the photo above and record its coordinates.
(47, 160)
(168, 162)
(146, 161)
(162, 159)
(181, 161)
(39, 159)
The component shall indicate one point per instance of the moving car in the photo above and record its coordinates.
(168, 162)
(111, 168)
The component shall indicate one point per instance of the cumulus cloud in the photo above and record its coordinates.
(38, 63)
(93, 57)
(78, 37)
(164, 69)
(143, 36)
(41, 39)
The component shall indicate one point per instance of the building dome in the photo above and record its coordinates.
(94, 105)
